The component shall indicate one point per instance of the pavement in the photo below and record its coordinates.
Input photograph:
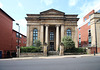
(52, 57)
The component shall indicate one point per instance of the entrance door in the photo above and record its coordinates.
(51, 46)
(0, 54)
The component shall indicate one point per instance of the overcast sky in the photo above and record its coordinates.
(18, 9)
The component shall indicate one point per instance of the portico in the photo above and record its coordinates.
(50, 27)
(52, 34)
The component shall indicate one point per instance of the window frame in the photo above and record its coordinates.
(51, 36)
(69, 32)
(89, 37)
(85, 19)
(89, 23)
(79, 40)
(35, 35)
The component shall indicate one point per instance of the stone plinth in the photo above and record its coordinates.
(31, 54)
(61, 49)
(45, 49)
(18, 52)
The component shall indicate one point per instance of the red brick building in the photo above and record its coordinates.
(84, 32)
(22, 39)
(8, 36)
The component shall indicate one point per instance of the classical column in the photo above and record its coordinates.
(42, 34)
(76, 37)
(31, 37)
(46, 34)
(28, 38)
(57, 37)
(62, 31)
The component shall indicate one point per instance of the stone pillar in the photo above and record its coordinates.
(28, 38)
(31, 37)
(45, 49)
(57, 37)
(46, 34)
(62, 32)
(76, 37)
(42, 34)
(61, 49)
(18, 51)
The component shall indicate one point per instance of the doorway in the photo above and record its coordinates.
(51, 46)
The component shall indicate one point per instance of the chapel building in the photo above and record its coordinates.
(50, 27)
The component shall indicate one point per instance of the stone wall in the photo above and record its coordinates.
(92, 49)
(30, 54)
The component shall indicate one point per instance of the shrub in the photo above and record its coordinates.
(68, 42)
(30, 49)
(75, 50)
(37, 43)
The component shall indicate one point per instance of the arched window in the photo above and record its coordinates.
(68, 32)
(35, 35)
(51, 35)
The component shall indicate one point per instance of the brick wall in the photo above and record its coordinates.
(84, 35)
(84, 31)
(87, 16)
(8, 36)
(92, 49)
(5, 32)
(15, 40)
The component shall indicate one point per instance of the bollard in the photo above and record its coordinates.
(94, 53)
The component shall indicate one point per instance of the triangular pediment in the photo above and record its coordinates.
(52, 11)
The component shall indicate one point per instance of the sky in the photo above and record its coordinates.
(18, 9)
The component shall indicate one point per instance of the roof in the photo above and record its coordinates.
(7, 14)
(44, 15)
(52, 12)
(18, 32)
(44, 12)
(33, 14)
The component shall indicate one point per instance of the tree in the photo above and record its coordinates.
(37, 43)
(68, 42)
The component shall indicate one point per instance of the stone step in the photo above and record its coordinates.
(53, 53)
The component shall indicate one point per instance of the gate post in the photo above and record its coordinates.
(61, 49)
(45, 49)
(18, 51)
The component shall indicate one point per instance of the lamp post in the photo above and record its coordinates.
(18, 52)
(96, 35)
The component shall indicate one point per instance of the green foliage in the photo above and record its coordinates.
(37, 43)
(68, 42)
(75, 50)
(30, 49)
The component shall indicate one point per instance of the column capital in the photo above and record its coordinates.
(57, 25)
(28, 24)
(62, 24)
(46, 25)
(42, 24)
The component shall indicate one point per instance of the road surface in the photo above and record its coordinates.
(79, 63)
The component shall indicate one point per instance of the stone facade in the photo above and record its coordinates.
(95, 30)
(52, 26)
